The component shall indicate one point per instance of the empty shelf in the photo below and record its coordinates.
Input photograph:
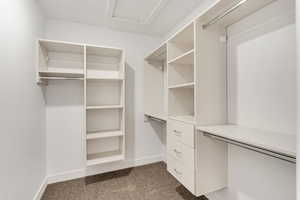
(184, 59)
(103, 78)
(104, 74)
(105, 134)
(183, 85)
(158, 54)
(184, 118)
(60, 78)
(158, 117)
(283, 144)
(104, 107)
(106, 157)
(63, 73)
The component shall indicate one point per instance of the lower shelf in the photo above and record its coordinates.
(70, 73)
(105, 157)
(184, 118)
(103, 134)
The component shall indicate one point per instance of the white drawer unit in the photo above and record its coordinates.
(180, 148)
(182, 132)
(192, 158)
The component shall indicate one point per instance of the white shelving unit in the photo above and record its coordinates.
(104, 107)
(197, 100)
(155, 80)
(103, 71)
(181, 44)
(181, 73)
(105, 100)
(60, 60)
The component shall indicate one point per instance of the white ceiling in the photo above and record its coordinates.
(153, 17)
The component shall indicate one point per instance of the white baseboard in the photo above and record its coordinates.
(41, 190)
(65, 176)
(79, 173)
(148, 160)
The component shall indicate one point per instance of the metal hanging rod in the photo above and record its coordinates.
(222, 15)
(261, 150)
(155, 119)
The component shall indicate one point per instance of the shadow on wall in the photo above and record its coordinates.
(160, 130)
(130, 113)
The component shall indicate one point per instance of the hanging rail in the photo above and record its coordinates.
(222, 15)
(155, 119)
(261, 150)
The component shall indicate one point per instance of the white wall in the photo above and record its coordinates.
(262, 94)
(298, 93)
(22, 118)
(65, 100)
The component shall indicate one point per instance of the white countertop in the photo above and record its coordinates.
(281, 143)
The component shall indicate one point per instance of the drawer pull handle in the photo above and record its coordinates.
(178, 133)
(176, 151)
(177, 172)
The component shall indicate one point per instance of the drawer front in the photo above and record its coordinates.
(181, 131)
(183, 153)
(174, 148)
(174, 167)
(183, 172)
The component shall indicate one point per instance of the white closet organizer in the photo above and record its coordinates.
(181, 76)
(155, 80)
(105, 112)
(60, 60)
(103, 72)
(197, 101)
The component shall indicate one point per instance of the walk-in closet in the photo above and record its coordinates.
(156, 99)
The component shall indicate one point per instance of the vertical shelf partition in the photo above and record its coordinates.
(104, 102)
(181, 76)
(103, 71)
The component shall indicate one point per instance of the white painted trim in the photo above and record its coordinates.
(65, 176)
(148, 160)
(80, 173)
(41, 189)
(154, 12)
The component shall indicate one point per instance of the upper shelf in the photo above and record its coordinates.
(227, 12)
(186, 58)
(158, 54)
(183, 85)
(181, 43)
(65, 73)
(272, 141)
(157, 116)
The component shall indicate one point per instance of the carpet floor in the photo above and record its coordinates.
(149, 182)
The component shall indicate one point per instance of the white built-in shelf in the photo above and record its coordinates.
(104, 78)
(183, 85)
(106, 157)
(70, 73)
(104, 75)
(103, 134)
(157, 116)
(60, 78)
(158, 54)
(272, 141)
(184, 118)
(186, 58)
(104, 107)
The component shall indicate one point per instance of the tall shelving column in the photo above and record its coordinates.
(181, 78)
(105, 104)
